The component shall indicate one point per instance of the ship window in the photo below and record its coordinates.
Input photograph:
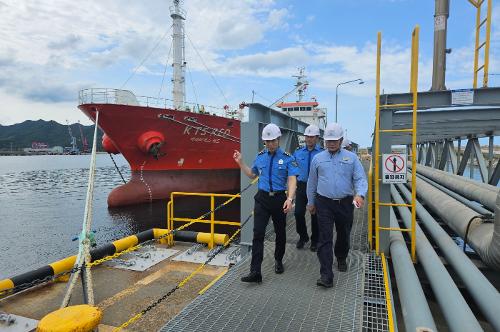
(302, 108)
(230, 124)
(295, 108)
(308, 108)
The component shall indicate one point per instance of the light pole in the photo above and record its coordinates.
(337, 92)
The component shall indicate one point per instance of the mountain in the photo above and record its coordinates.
(21, 135)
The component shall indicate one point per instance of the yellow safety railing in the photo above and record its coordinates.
(370, 207)
(388, 299)
(485, 44)
(412, 131)
(171, 218)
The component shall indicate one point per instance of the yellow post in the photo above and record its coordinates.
(476, 47)
(212, 219)
(487, 45)
(377, 144)
(370, 207)
(414, 90)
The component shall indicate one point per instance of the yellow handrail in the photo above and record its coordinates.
(412, 131)
(486, 43)
(211, 221)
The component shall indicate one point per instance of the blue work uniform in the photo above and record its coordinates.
(304, 157)
(333, 180)
(273, 171)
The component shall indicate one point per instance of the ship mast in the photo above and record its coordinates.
(301, 84)
(179, 65)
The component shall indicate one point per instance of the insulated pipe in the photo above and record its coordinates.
(480, 192)
(416, 313)
(457, 313)
(482, 236)
(476, 207)
(482, 291)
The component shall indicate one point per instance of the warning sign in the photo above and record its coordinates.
(394, 168)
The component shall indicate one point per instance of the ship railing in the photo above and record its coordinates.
(127, 97)
(171, 218)
(120, 97)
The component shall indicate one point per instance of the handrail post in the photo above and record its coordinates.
(377, 146)
(212, 218)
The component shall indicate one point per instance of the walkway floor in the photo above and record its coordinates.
(292, 301)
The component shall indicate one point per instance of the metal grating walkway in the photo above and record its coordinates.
(290, 301)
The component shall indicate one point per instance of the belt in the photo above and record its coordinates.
(337, 200)
(272, 193)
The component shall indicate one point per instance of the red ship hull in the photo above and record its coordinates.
(169, 150)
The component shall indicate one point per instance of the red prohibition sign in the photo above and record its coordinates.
(391, 163)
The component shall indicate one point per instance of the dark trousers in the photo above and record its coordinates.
(268, 206)
(300, 214)
(332, 212)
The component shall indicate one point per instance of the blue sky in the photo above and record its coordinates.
(51, 49)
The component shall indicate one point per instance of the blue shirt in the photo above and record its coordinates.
(304, 157)
(274, 169)
(336, 175)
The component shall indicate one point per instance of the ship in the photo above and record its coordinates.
(173, 148)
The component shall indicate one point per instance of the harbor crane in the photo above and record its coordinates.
(73, 149)
(85, 145)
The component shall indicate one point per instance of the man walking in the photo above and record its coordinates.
(336, 182)
(303, 156)
(277, 171)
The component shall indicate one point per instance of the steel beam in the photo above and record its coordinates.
(495, 176)
(465, 158)
(480, 160)
(439, 99)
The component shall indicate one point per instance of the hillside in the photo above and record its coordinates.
(21, 135)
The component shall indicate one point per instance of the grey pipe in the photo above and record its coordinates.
(416, 312)
(482, 291)
(474, 206)
(480, 192)
(457, 313)
(483, 237)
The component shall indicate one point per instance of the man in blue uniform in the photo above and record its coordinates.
(277, 171)
(303, 156)
(336, 183)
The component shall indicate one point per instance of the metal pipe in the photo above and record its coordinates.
(461, 199)
(474, 190)
(415, 310)
(483, 237)
(482, 291)
(457, 313)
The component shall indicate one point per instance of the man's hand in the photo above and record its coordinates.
(359, 201)
(311, 209)
(287, 206)
(237, 156)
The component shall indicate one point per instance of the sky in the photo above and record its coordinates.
(49, 50)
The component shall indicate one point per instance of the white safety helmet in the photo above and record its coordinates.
(311, 130)
(333, 132)
(346, 142)
(270, 132)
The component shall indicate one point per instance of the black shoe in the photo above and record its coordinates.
(252, 277)
(342, 264)
(278, 267)
(300, 244)
(314, 247)
(324, 283)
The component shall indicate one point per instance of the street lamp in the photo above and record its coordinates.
(337, 92)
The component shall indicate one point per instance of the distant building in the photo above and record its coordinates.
(42, 148)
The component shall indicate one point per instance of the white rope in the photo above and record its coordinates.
(84, 247)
